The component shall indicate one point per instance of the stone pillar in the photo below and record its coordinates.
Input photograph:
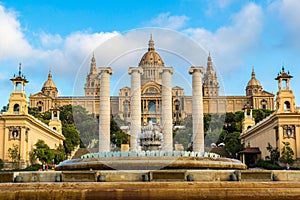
(104, 105)
(166, 104)
(197, 108)
(135, 105)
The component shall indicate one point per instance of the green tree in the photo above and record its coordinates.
(233, 143)
(87, 125)
(274, 153)
(72, 137)
(4, 108)
(184, 136)
(260, 114)
(287, 153)
(59, 154)
(43, 152)
(14, 154)
(66, 114)
(117, 136)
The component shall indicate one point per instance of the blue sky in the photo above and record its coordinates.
(61, 35)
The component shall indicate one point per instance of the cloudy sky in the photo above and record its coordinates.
(61, 36)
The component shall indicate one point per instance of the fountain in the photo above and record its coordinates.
(151, 146)
(150, 139)
(150, 149)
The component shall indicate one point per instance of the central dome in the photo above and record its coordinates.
(151, 57)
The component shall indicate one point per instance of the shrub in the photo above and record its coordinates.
(267, 165)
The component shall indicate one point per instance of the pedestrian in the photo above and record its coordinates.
(287, 166)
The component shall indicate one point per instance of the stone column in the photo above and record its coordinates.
(197, 108)
(135, 105)
(166, 104)
(104, 104)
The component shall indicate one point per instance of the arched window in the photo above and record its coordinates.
(16, 109)
(151, 106)
(287, 106)
(284, 84)
(264, 103)
(126, 108)
(177, 104)
(54, 128)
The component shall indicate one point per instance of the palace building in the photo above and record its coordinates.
(281, 126)
(21, 130)
(151, 90)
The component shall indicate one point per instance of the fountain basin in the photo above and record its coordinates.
(150, 163)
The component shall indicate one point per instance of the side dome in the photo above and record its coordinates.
(49, 83)
(151, 57)
(253, 81)
(49, 87)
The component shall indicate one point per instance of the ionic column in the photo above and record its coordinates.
(104, 105)
(197, 106)
(166, 115)
(135, 104)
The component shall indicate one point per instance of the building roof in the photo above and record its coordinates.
(49, 83)
(253, 81)
(250, 150)
(283, 74)
(151, 57)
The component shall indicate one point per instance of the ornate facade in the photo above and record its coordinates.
(151, 88)
(281, 126)
(18, 128)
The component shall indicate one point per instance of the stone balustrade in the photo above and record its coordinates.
(151, 153)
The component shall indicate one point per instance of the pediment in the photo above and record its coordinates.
(265, 93)
(39, 95)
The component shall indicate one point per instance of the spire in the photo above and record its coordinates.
(50, 75)
(93, 69)
(253, 73)
(93, 58)
(20, 66)
(209, 64)
(151, 43)
(209, 57)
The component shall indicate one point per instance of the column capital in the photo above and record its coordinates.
(105, 69)
(194, 69)
(135, 69)
(168, 69)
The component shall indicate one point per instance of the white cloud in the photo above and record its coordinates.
(224, 3)
(78, 45)
(289, 14)
(166, 20)
(229, 43)
(50, 41)
(12, 43)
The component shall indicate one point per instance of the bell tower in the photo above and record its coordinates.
(92, 85)
(210, 85)
(248, 120)
(18, 104)
(285, 99)
(55, 122)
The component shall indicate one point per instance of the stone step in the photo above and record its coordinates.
(255, 175)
